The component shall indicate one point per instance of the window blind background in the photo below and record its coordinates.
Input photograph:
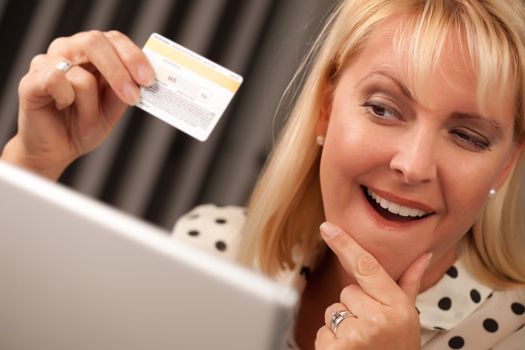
(146, 167)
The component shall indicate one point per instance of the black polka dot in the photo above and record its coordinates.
(452, 272)
(220, 221)
(439, 328)
(490, 325)
(445, 303)
(456, 342)
(475, 296)
(518, 308)
(305, 271)
(193, 233)
(220, 245)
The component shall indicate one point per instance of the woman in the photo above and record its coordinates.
(407, 138)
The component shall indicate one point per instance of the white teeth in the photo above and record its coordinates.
(404, 211)
(395, 208)
(414, 212)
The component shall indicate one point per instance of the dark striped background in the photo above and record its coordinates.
(146, 167)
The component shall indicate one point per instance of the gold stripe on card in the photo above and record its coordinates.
(192, 64)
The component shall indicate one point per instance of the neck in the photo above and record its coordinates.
(437, 269)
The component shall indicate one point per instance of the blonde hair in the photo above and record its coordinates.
(286, 206)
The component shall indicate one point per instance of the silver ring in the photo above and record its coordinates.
(63, 66)
(338, 317)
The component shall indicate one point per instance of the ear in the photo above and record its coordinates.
(517, 150)
(326, 109)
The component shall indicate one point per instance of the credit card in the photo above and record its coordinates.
(190, 92)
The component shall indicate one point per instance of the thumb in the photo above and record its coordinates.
(410, 281)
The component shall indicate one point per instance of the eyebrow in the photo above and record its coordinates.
(406, 92)
(399, 85)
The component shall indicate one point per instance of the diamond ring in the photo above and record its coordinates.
(63, 66)
(338, 317)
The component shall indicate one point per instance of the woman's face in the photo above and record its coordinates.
(431, 164)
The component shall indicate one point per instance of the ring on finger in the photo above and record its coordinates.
(338, 317)
(63, 66)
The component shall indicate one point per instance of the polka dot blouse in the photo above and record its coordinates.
(458, 312)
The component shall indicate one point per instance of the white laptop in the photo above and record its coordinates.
(76, 274)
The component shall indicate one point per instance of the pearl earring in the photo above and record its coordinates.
(492, 193)
(319, 140)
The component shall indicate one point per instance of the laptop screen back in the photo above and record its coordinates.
(77, 274)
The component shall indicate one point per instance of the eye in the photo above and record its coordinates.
(471, 140)
(379, 110)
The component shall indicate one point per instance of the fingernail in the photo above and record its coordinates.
(329, 230)
(146, 75)
(131, 93)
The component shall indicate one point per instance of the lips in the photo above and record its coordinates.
(395, 209)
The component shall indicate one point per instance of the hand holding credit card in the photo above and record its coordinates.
(190, 92)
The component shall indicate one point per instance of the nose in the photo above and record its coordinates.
(414, 161)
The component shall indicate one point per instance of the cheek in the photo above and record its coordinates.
(466, 192)
(346, 155)
(352, 147)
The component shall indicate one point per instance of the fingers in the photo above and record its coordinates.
(43, 86)
(117, 59)
(329, 311)
(345, 323)
(85, 86)
(356, 300)
(382, 312)
(132, 57)
(47, 84)
(112, 108)
(360, 264)
(410, 281)
(325, 338)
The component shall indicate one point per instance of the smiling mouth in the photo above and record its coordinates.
(392, 211)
